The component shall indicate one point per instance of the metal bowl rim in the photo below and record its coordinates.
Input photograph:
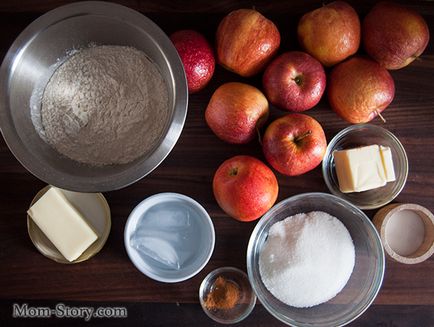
(107, 182)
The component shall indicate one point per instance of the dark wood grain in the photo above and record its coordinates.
(408, 291)
(187, 315)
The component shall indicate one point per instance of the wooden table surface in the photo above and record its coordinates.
(407, 295)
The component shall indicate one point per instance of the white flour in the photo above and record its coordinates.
(104, 105)
(307, 259)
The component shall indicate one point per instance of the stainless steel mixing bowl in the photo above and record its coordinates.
(49, 38)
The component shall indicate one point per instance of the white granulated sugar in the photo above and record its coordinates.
(104, 105)
(307, 259)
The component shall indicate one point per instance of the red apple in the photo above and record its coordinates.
(294, 144)
(246, 41)
(330, 33)
(394, 35)
(236, 111)
(197, 57)
(360, 89)
(294, 81)
(245, 188)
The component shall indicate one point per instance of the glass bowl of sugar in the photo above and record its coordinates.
(315, 259)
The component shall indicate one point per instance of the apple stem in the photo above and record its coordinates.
(233, 171)
(297, 80)
(259, 136)
(381, 117)
(298, 139)
(259, 124)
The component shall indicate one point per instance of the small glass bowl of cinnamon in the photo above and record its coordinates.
(226, 295)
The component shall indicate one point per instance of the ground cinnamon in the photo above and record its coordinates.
(224, 294)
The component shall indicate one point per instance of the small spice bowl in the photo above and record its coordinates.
(407, 232)
(226, 295)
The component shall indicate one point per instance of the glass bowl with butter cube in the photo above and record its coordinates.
(366, 165)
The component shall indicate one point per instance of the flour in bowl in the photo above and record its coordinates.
(104, 105)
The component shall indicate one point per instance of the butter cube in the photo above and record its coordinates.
(62, 224)
(386, 156)
(363, 168)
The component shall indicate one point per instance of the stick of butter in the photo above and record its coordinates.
(62, 224)
(363, 168)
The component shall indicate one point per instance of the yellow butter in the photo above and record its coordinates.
(62, 224)
(386, 156)
(364, 168)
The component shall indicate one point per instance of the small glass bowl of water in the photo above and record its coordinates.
(169, 237)
(360, 135)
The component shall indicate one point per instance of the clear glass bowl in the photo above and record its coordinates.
(364, 283)
(195, 246)
(359, 135)
(245, 304)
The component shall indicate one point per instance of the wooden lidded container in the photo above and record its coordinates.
(407, 232)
